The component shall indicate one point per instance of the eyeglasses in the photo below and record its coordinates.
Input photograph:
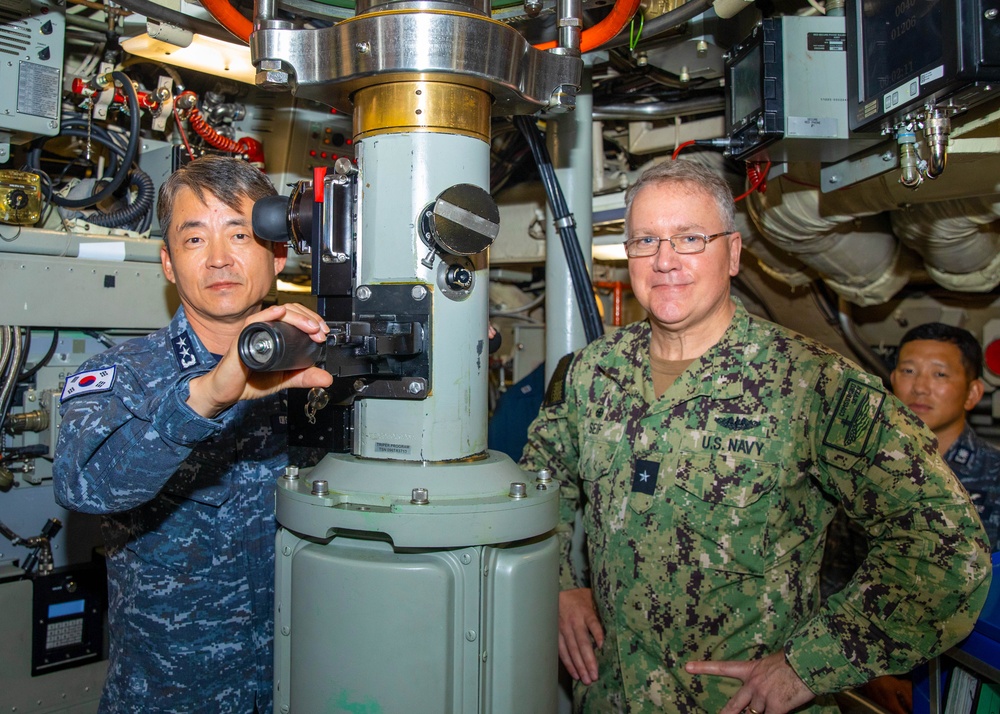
(683, 243)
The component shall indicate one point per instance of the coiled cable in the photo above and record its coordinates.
(136, 211)
(100, 134)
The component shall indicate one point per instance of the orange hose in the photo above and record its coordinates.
(229, 18)
(618, 289)
(594, 37)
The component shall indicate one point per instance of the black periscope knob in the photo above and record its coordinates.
(278, 346)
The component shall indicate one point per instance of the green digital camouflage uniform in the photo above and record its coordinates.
(705, 513)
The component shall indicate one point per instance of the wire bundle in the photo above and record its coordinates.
(125, 148)
(12, 355)
(78, 127)
(582, 288)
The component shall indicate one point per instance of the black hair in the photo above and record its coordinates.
(972, 351)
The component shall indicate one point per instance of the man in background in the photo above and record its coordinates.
(937, 375)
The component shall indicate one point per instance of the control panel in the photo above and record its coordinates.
(68, 618)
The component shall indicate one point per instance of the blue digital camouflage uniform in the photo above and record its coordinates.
(705, 513)
(976, 462)
(189, 525)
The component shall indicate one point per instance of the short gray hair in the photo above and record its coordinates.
(227, 178)
(692, 174)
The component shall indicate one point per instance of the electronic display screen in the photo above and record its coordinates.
(61, 609)
(899, 40)
(745, 86)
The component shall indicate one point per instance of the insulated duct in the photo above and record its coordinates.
(856, 254)
(864, 241)
(958, 240)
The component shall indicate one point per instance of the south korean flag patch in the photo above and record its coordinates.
(95, 380)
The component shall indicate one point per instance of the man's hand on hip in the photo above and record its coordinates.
(580, 632)
(770, 685)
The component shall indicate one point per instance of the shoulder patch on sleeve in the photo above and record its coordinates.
(854, 418)
(95, 380)
(555, 393)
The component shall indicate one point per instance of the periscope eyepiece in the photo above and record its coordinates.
(278, 346)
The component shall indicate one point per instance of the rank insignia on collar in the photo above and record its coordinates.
(184, 350)
(644, 475)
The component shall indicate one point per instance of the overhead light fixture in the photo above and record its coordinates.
(610, 252)
(609, 227)
(183, 48)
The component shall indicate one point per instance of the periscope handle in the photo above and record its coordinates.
(278, 346)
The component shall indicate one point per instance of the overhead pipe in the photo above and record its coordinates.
(663, 23)
(590, 39)
(959, 240)
(856, 254)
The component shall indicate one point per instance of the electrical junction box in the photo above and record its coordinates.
(786, 90)
(20, 197)
(32, 34)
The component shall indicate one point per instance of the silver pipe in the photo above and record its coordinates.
(264, 11)
(570, 25)
(5, 348)
(936, 131)
(37, 241)
(570, 145)
(13, 367)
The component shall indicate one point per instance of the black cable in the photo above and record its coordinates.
(583, 289)
(135, 211)
(746, 287)
(131, 151)
(44, 360)
(100, 337)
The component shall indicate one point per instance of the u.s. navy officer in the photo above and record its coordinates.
(709, 449)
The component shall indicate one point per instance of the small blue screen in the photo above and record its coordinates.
(73, 607)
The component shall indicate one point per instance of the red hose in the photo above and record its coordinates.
(758, 178)
(681, 148)
(594, 37)
(251, 147)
